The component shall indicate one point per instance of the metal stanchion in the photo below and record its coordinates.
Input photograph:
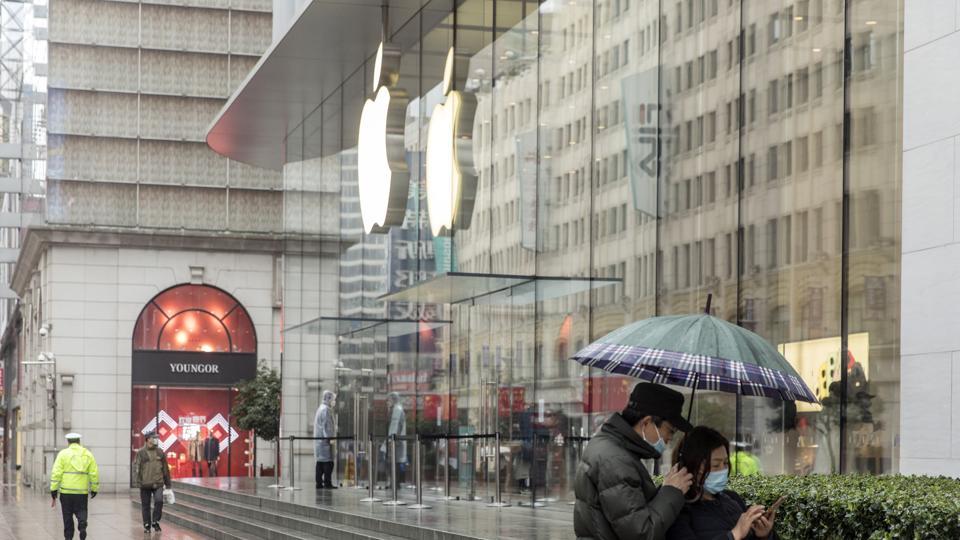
(498, 502)
(395, 501)
(418, 476)
(277, 482)
(291, 487)
(446, 471)
(371, 472)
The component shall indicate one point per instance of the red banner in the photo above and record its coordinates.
(442, 403)
(606, 394)
(516, 394)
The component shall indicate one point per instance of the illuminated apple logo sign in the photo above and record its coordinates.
(382, 171)
(451, 176)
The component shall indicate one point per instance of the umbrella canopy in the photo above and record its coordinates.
(700, 352)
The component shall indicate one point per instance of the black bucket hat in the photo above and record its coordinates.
(658, 400)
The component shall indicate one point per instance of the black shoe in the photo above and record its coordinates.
(331, 486)
(156, 526)
(146, 527)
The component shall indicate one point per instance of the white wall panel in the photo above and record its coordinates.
(250, 32)
(79, 112)
(170, 162)
(70, 68)
(177, 118)
(185, 29)
(181, 73)
(255, 210)
(93, 22)
(89, 202)
(190, 208)
(89, 158)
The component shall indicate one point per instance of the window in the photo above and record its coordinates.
(773, 29)
(818, 80)
(772, 163)
(787, 158)
(773, 95)
(711, 127)
(803, 15)
(803, 155)
(818, 149)
(712, 65)
(803, 81)
(772, 243)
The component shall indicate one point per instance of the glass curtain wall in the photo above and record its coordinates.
(682, 148)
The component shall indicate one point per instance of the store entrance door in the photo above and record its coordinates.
(195, 429)
(192, 345)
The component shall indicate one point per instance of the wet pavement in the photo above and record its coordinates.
(25, 514)
(473, 519)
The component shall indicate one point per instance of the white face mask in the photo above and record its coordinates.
(660, 445)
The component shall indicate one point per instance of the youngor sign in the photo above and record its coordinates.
(193, 368)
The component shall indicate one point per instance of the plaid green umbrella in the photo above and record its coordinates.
(700, 352)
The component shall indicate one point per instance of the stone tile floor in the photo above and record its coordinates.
(471, 518)
(25, 514)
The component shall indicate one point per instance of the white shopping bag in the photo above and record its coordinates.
(169, 497)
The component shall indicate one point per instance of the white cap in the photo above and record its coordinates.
(73, 436)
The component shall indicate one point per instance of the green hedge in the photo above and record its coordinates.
(858, 507)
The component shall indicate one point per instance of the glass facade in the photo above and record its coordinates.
(675, 149)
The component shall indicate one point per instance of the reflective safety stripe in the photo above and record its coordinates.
(74, 472)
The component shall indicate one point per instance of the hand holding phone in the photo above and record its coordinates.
(773, 507)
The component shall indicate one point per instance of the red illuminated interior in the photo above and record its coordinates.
(194, 318)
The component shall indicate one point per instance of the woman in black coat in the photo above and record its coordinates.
(714, 512)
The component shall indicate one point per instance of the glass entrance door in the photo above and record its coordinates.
(195, 430)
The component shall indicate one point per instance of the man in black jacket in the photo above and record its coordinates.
(616, 497)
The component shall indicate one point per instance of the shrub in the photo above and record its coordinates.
(858, 507)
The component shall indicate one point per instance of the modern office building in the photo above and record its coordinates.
(631, 158)
(154, 252)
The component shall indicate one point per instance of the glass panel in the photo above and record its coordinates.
(146, 335)
(242, 334)
(177, 299)
(873, 375)
(187, 418)
(195, 331)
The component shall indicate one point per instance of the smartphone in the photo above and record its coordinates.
(774, 506)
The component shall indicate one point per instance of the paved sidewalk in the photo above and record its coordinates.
(25, 514)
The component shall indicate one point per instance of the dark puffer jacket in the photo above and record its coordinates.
(616, 498)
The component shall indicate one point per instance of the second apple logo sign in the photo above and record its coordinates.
(384, 177)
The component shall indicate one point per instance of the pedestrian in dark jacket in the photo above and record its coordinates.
(714, 512)
(616, 497)
(151, 474)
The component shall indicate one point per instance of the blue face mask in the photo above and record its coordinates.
(716, 481)
(660, 445)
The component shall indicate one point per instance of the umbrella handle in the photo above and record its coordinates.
(696, 382)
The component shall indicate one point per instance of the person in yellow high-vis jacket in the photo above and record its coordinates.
(74, 476)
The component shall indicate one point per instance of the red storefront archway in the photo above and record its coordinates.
(192, 344)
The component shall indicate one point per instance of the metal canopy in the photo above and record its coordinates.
(460, 287)
(326, 43)
(343, 326)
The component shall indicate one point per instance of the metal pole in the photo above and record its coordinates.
(293, 469)
(395, 501)
(276, 467)
(498, 502)
(446, 470)
(371, 466)
(418, 477)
